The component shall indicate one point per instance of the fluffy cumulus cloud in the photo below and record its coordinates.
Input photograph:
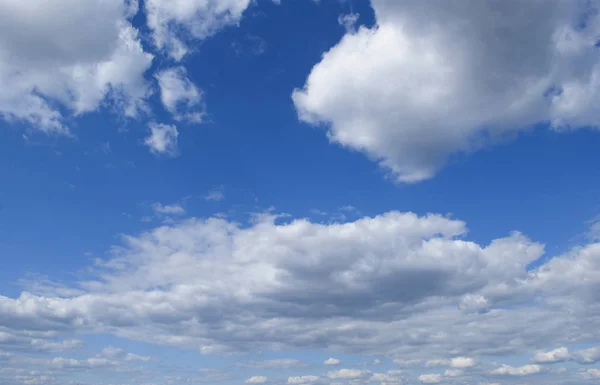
(179, 95)
(332, 361)
(562, 354)
(348, 374)
(433, 78)
(175, 22)
(392, 285)
(525, 370)
(51, 67)
(430, 378)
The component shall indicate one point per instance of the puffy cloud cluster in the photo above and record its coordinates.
(46, 59)
(525, 370)
(57, 64)
(390, 285)
(432, 78)
(583, 356)
(384, 284)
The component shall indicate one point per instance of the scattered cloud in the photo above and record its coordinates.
(180, 96)
(332, 361)
(162, 139)
(175, 24)
(507, 370)
(301, 380)
(430, 378)
(348, 21)
(256, 380)
(174, 209)
(215, 195)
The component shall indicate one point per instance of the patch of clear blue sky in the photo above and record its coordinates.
(62, 198)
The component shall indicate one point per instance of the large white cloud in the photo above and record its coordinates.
(387, 285)
(175, 22)
(436, 77)
(67, 57)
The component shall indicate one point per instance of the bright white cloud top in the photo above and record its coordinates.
(433, 78)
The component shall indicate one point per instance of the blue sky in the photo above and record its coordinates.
(233, 191)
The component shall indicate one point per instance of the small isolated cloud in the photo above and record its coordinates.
(507, 370)
(256, 380)
(332, 361)
(430, 378)
(162, 139)
(250, 45)
(180, 96)
(174, 209)
(348, 21)
(215, 195)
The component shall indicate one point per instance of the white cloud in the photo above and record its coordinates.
(437, 362)
(462, 362)
(174, 209)
(256, 380)
(453, 372)
(53, 60)
(430, 378)
(173, 22)
(348, 21)
(591, 374)
(348, 374)
(389, 286)
(332, 361)
(556, 355)
(434, 78)
(406, 363)
(162, 139)
(586, 356)
(180, 96)
(301, 380)
(507, 370)
(389, 378)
